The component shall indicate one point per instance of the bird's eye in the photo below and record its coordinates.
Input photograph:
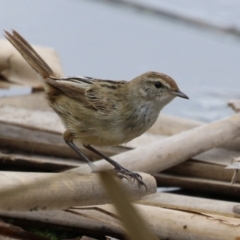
(158, 85)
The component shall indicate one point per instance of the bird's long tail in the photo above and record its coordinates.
(30, 55)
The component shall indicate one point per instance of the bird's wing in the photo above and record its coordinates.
(73, 87)
(94, 93)
(106, 95)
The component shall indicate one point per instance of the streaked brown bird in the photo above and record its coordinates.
(101, 112)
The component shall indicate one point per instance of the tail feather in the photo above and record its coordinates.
(29, 54)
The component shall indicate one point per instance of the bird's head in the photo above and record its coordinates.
(159, 87)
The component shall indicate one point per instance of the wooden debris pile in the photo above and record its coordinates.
(43, 183)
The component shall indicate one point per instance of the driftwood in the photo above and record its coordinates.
(11, 161)
(219, 156)
(196, 169)
(33, 141)
(168, 215)
(169, 152)
(172, 224)
(40, 141)
(35, 119)
(208, 165)
(192, 204)
(235, 165)
(93, 225)
(41, 191)
(165, 223)
(199, 184)
(171, 125)
(11, 232)
(135, 226)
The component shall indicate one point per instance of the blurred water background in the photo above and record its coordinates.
(197, 42)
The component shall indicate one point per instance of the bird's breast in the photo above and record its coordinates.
(141, 119)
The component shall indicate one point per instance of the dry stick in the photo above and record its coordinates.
(171, 125)
(12, 232)
(33, 162)
(195, 220)
(218, 156)
(192, 204)
(134, 224)
(196, 169)
(41, 191)
(199, 184)
(180, 225)
(39, 141)
(169, 152)
(95, 225)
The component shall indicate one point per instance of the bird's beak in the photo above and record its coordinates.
(178, 93)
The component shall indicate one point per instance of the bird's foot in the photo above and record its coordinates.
(123, 172)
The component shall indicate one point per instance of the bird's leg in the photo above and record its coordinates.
(69, 141)
(126, 173)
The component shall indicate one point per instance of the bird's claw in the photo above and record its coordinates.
(130, 175)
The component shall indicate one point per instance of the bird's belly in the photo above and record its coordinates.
(110, 134)
(118, 132)
(91, 127)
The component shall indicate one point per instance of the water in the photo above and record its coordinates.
(95, 38)
(217, 12)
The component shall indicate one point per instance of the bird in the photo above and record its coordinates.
(101, 112)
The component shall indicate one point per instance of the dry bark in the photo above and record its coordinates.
(171, 125)
(165, 223)
(25, 191)
(192, 204)
(199, 184)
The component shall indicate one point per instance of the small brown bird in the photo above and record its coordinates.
(102, 112)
